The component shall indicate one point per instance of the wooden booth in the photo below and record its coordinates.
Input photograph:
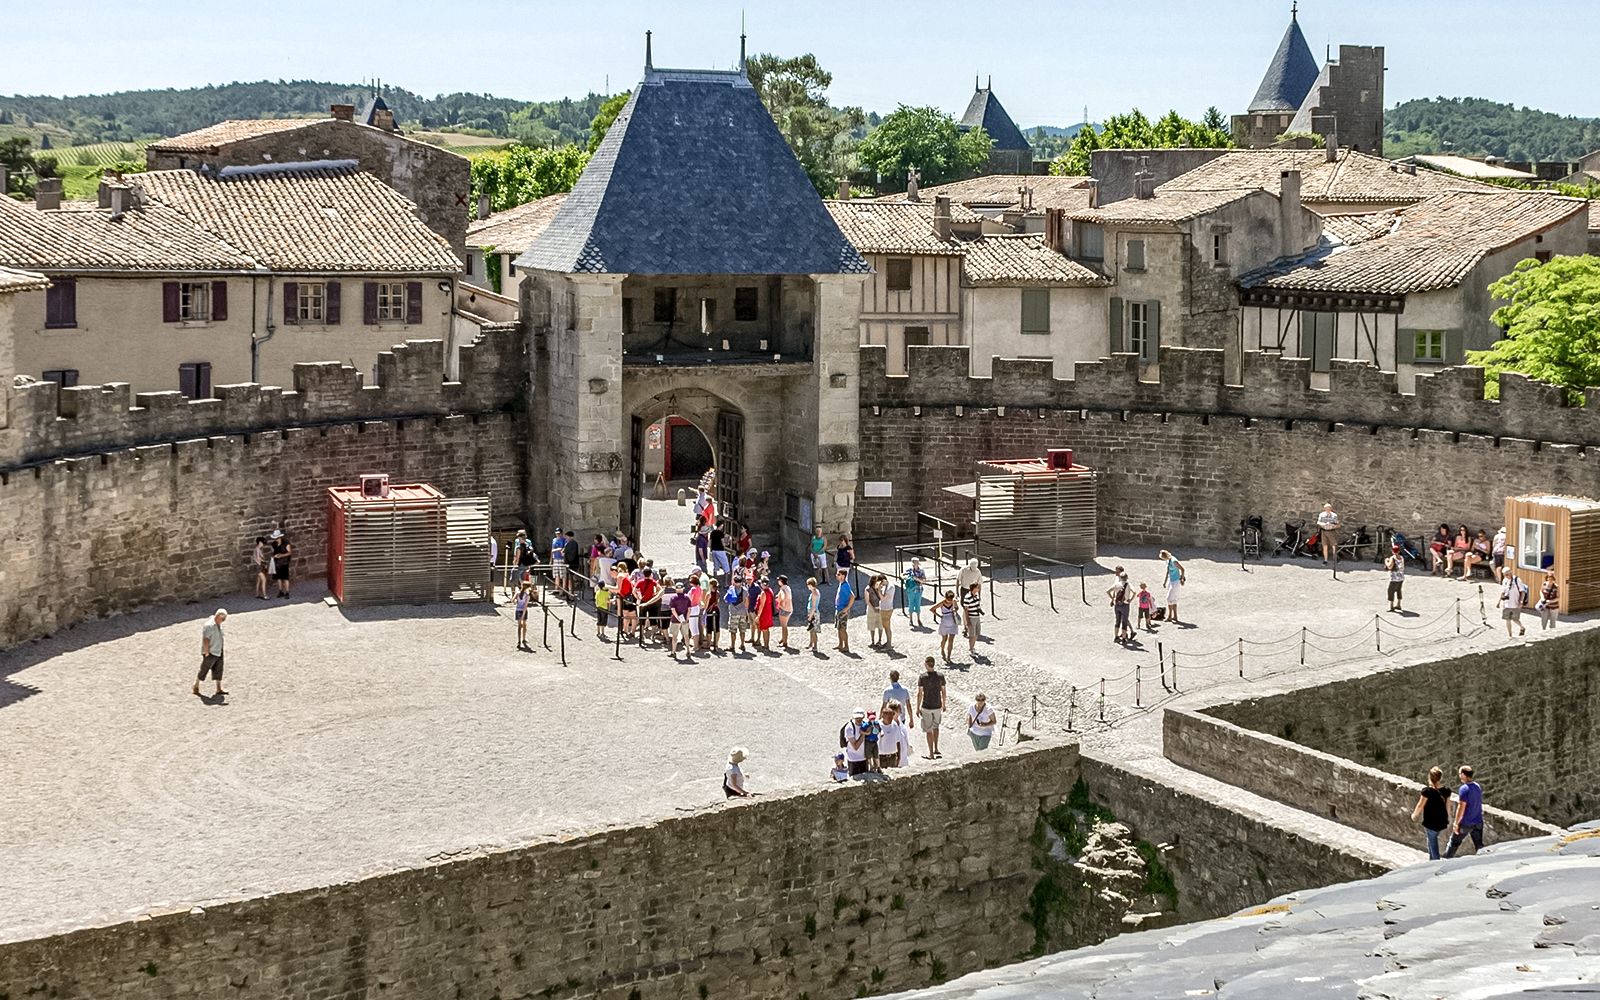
(1047, 506)
(406, 544)
(1560, 533)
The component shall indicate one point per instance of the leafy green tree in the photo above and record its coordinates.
(604, 117)
(1552, 324)
(794, 91)
(520, 174)
(927, 139)
(1134, 131)
(14, 156)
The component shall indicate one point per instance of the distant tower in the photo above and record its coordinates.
(1343, 102)
(1289, 78)
(1011, 153)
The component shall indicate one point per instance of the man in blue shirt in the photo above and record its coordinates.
(1469, 814)
(844, 599)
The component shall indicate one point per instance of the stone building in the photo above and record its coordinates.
(1288, 79)
(437, 181)
(186, 280)
(14, 286)
(1011, 152)
(496, 241)
(1343, 101)
(1407, 290)
(693, 272)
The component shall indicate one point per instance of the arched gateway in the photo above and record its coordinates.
(694, 271)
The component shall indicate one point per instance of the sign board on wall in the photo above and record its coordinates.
(877, 489)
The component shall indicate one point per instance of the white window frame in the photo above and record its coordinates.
(391, 302)
(194, 302)
(1530, 554)
(311, 301)
(1138, 327)
(1433, 353)
(1128, 251)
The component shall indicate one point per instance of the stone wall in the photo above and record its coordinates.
(1362, 797)
(1182, 459)
(1526, 717)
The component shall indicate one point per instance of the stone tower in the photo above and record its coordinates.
(1346, 103)
(1289, 78)
(1011, 153)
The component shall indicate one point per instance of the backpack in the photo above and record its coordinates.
(842, 741)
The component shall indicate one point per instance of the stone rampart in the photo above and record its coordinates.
(1526, 717)
(1366, 798)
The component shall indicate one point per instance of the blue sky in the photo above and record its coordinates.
(1048, 60)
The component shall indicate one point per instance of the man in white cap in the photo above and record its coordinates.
(211, 652)
(853, 738)
(733, 775)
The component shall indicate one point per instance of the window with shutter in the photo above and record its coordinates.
(194, 301)
(1036, 310)
(1135, 255)
(1139, 329)
(310, 301)
(389, 301)
(1119, 341)
(331, 303)
(291, 302)
(194, 379)
(66, 378)
(413, 302)
(1426, 347)
(369, 302)
(1091, 242)
(61, 304)
(171, 300)
(219, 301)
(897, 274)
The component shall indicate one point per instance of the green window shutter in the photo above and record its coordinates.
(1453, 352)
(1036, 310)
(1405, 346)
(1116, 326)
(1153, 313)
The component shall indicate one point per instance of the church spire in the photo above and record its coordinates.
(647, 63)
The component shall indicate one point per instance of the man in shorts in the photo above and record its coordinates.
(558, 560)
(930, 705)
(678, 631)
(1513, 598)
(843, 600)
(211, 652)
(1328, 532)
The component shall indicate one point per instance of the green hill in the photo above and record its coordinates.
(1472, 126)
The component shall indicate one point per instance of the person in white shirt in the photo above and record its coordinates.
(1497, 555)
(855, 748)
(1513, 598)
(733, 776)
(785, 609)
(894, 742)
(980, 722)
(1328, 532)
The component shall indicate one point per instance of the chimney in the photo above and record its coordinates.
(1144, 182)
(1289, 215)
(343, 112)
(119, 194)
(941, 216)
(1332, 144)
(384, 119)
(844, 189)
(912, 176)
(483, 206)
(1055, 229)
(47, 193)
(1094, 193)
(5, 180)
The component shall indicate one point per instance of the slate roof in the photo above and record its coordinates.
(370, 109)
(999, 191)
(1516, 921)
(213, 137)
(985, 110)
(693, 178)
(1352, 178)
(1166, 209)
(1289, 76)
(895, 227)
(21, 281)
(515, 229)
(1433, 244)
(1023, 260)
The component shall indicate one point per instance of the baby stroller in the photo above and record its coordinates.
(1251, 530)
(1407, 548)
(1293, 540)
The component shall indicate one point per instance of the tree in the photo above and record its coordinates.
(927, 139)
(1134, 131)
(1552, 324)
(795, 94)
(14, 156)
(604, 117)
(520, 174)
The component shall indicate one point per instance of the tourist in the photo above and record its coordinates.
(597, 553)
(520, 613)
(1439, 551)
(894, 742)
(972, 613)
(1513, 598)
(970, 574)
(1460, 547)
(626, 599)
(558, 561)
(844, 557)
(872, 596)
(886, 612)
(573, 559)
(853, 739)
(1497, 554)
(870, 731)
(915, 577)
(651, 597)
(785, 606)
(701, 502)
(841, 769)
(1396, 565)
(211, 652)
(602, 607)
(282, 555)
(678, 606)
(733, 778)
(1433, 809)
(980, 722)
(813, 613)
(1175, 578)
(711, 611)
(697, 614)
(1469, 814)
(896, 694)
(745, 543)
(261, 563)
(1549, 599)
(766, 600)
(717, 541)
(1121, 594)
(734, 601)
(1477, 555)
(947, 621)
(819, 550)
(522, 553)
(1328, 533)
(844, 599)
(752, 607)
(930, 705)
(702, 547)
(1147, 608)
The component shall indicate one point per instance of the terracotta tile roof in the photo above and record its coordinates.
(210, 138)
(1167, 208)
(1354, 177)
(321, 216)
(1594, 216)
(1022, 260)
(895, 227)
(21, 281)
(152, 238)
(515, 229)
(1434, 244)
(1353, 229)
(1000, 191)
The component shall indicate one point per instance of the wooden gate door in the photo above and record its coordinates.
(635, 474)
(730, 465)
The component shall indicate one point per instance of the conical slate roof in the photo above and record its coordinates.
(693, 178)
(984, 109)
(1289, 76)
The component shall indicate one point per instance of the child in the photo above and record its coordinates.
(840, 772)
(1147, 604)
(602, 604)
(870, 731)
(524, 595)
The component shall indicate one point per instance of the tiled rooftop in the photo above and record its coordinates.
(1000, 191)
(515, 229)
(153, 238)
(1022, 260)
(1167, 208)
(21, 281)
(211, 137)
(1354, 177)
(896, 227)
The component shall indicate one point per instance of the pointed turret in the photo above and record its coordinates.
(984, 109)
(1290, 75)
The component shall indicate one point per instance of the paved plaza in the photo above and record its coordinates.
(354, 742)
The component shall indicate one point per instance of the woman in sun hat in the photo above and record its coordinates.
(733, 776)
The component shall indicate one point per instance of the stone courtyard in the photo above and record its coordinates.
(355, 742)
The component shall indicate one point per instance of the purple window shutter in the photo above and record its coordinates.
(61, 304)
(169, 302)
(291, 303)
(330, 303)
(369, 303)
(219, 301)
(413, 302)
(69, 302)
